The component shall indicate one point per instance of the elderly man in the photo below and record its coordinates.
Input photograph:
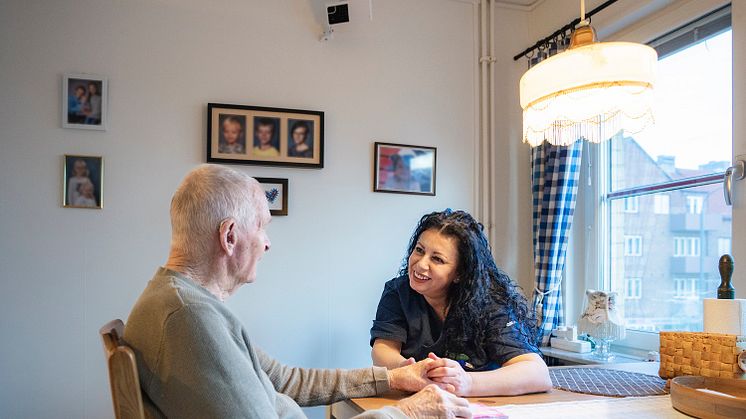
(194, 356)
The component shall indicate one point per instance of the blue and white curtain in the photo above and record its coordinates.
(555, 173)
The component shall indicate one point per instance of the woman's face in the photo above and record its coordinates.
(432, 264)
(80, 168)
(299, 134)
(92, 89)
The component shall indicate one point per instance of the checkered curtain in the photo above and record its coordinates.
(555, 173)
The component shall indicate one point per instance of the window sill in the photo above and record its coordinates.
(575, 358)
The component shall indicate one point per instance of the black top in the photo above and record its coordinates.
(404, 316)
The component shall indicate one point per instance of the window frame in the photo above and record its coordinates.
(594, 234)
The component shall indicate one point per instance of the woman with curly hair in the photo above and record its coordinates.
(452, 301)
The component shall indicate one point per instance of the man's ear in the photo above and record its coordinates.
(227, 235)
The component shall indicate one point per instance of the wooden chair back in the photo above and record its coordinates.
(123, 377)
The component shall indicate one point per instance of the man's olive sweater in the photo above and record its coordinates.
(196, 360)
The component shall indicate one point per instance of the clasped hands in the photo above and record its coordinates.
(443, 382)
(443, 372)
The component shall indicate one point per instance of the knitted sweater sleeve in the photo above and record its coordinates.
(312, 387)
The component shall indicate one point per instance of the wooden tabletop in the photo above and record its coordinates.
(650, 368)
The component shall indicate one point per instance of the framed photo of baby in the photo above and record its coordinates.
(240, 134)
(82, 182)
(404, 169)
(84, 101)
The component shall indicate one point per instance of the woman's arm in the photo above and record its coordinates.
(387, 353)
(522, 374)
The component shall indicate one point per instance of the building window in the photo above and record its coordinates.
(632, 245)
(686, 246)
(661, 203)
(685, 288)
(632, 204)
(723, 246)
(694, 204)
(633, 288)
(678, 169)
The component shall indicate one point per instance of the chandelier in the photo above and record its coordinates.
(591, 91)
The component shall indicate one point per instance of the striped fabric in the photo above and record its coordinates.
(555, 173)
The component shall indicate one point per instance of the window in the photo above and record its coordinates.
(632, 204)
(723, 246)
(694, 204)
(632, 246)
(685, 246)
(662, 187)
(685, 288)
(661, 203)
(633, 289)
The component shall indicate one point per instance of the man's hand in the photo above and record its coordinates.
(450, 373)
(414, 377)
(432, 402)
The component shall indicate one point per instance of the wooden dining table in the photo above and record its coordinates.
(349, 408)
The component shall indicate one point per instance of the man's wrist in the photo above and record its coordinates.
(393, 379)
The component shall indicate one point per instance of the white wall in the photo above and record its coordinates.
(407, 77)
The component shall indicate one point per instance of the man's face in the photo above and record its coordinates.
(264, 134)
(252, 244)
(79, 92)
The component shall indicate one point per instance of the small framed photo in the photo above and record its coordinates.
(407, 169)
(84, 101)
(83, 182)
(276, 191)
(265, 136)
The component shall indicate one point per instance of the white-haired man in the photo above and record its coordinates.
(194, 356)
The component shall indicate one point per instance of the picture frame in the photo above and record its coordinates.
(83, 182)
(404, 169)
(276, 191)
(85, 101)
(240, 134)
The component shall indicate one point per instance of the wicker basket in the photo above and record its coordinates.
(705, 354)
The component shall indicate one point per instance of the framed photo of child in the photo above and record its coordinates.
(83, 182)
(276, 191)
(85, 101)
(240, 134)
(405, 169)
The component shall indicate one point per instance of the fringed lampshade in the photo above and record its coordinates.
(590, 91)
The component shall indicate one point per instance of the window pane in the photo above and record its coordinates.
(677, 258)
(692, 135)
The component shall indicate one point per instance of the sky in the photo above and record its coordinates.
(693, 105)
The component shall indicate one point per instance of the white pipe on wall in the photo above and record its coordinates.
(484, 112)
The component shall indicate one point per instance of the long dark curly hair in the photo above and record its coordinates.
(481, 291)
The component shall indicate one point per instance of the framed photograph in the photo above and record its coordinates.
(408, 169)
(84, 101)
(265, 136)
(83, 182)
(276, 191)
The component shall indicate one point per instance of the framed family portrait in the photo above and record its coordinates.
(407, 169)
(276, 191)
(83, 182)
(265, 136)
(84, 101)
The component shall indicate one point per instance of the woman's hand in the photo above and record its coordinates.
(451, 373)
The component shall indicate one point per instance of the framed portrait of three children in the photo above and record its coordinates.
(241, 134)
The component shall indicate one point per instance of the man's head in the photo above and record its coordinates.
(218, 220)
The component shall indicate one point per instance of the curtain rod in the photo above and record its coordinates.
(563, 29)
